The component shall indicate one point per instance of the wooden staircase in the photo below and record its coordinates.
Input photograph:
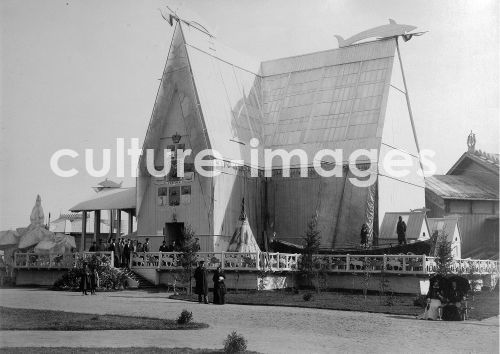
(143, 282)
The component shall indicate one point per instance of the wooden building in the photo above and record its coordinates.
(447, 229)
(210, 97)
(469, 191)
(417, 228)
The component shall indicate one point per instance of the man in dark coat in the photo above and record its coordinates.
(126, 254)
(401, 231)
(93, 248)
(164, 247)
(201, 278)
(85, 279)
(145, 247)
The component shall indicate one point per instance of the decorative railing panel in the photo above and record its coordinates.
(56, 261)
(397, 264)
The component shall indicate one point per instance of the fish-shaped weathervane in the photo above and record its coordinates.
(393, 29)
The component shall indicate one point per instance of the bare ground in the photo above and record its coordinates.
(268, 329)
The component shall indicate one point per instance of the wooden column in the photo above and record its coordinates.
(118, 223)
(97, 225)
(84, 231)
(130, 222)
(111, 222)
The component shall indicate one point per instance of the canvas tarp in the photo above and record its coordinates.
(8, 238)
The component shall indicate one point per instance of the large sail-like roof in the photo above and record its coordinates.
(332, 99)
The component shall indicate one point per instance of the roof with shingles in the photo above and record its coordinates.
(487, 160)
(459, 187)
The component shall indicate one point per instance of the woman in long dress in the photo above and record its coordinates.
(434, 301)
(85, 279)
(219, 286)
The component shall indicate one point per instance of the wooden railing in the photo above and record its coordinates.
(56, 261)
(264, 261)
(398, 264)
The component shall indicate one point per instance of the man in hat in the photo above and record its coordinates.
(201, 278)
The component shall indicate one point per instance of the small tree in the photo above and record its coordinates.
(235, 343)
(189, 249)
(367, 274)
(312, 240)
(444, 258)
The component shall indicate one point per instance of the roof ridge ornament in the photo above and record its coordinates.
(393, 29)
(172, 16)
(471, 142)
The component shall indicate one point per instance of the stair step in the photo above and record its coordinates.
(143, 282)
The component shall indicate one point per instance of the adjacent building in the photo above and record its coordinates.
(469, 191)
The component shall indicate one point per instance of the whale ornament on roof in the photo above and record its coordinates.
(391, 30)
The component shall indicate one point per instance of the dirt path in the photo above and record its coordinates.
(268, 329)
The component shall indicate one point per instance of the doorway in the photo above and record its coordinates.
(173, 232)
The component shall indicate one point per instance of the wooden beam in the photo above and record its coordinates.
(118, 223)
(130, 222)
(97, 225)
(111, 222)
(84, 231)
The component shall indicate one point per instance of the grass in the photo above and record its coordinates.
(485, 304)
(152, 350)
(29, 319)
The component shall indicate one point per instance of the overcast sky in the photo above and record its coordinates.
(79, 74)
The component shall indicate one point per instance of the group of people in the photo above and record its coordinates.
(201, 278)
(121, 249)
(169, 248)
(400, 231)
(89, 280)
(443, 304)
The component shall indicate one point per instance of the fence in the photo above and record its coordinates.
(266, 261)
(56, 261)
(399, 264)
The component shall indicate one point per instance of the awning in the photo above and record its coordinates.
(120, 198)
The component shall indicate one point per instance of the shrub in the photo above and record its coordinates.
(235, 343)
(70, 280)
(307, 297)
(109, 278)
(390, 299)
(185, 317)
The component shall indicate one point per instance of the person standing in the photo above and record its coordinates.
(434, 300)
(401, 231)
(126, 254)
(163, 247)
(85, 279)
(93, 248)
(94, 279)
(219, 286)
(146, 247)
(114, 248)
(201, 278)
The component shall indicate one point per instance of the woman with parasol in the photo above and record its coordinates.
(435, 298)
(455, 294)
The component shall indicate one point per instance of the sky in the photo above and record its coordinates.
(80, 74)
